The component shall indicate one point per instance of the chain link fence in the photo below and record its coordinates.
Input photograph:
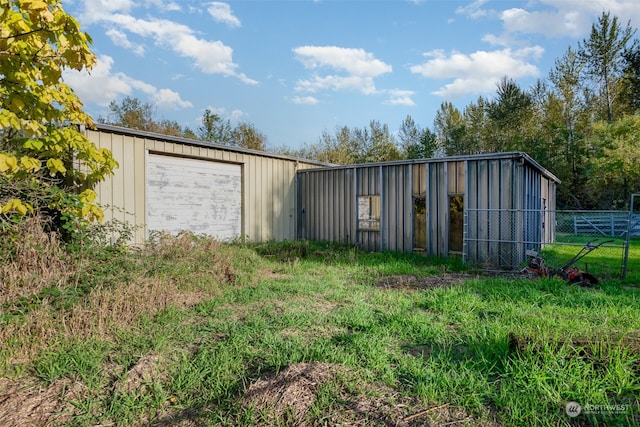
(500, 238)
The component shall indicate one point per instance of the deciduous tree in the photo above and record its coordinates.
(416, 143)
(246, 135)
(41, 146)
(615, 172)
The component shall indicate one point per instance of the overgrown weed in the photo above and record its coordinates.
(31, 259)
(220, 317)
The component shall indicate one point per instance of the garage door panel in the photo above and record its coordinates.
(201, 196)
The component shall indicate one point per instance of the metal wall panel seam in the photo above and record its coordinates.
(356, 213)
(382, 220)
(465, 201)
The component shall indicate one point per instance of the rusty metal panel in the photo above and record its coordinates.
(204, 197)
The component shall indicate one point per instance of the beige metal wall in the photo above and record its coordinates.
(269, 196)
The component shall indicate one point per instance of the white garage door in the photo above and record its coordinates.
(201, 196)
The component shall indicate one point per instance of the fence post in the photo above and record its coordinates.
(612, 226)
(625, 260)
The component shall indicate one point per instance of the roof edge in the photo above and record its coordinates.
(514, 155)
(198, 143)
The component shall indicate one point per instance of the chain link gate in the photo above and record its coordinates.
(633, 231)
(501, 237)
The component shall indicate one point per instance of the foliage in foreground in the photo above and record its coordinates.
(182, 330)
(41, 147)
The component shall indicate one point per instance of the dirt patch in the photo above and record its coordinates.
(144, 372)
(28, 403)
(288, 398)
(429, 282)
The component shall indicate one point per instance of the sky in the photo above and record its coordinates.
(297, 68)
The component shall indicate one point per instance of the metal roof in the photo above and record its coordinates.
(515, 155)
(198, 143)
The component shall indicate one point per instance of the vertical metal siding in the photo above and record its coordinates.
(396, 209)
(437, 209)
(407, 220)
(368, 183)
(123, 194)
(496, 192)
(269, 196)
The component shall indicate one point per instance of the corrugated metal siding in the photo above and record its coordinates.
(368, 183)
(492, 206)
(436, 209)
(501, 197)
(269, 196)
(397, 208)
(322, 215)
(124, 193)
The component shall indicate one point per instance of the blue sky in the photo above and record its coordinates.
(297, 68)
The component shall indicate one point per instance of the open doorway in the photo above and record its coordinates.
(456, 224)
(420, 223)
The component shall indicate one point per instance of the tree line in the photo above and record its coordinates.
(581, 122)
(132, 113)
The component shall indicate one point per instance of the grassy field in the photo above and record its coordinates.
(192, 332)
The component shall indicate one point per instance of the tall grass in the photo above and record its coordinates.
(179, 331)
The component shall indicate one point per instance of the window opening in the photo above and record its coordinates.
(369, 213)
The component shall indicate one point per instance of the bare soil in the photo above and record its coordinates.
(27, 403)
(288, 398)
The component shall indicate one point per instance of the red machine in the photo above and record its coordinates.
(536, 264)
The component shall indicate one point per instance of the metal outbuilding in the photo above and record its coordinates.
(486, 208)
(172, 184)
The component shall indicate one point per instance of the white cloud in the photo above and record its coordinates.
(551, 18)
(101, 86)
(304, 100)
(234, 115)
(555, 23)
(167, 99)
(97, 10)
(221, 12)
(356, 67)
(353, 61)
(473, 10)
(477, 72)
(172, 7)
(120, 39)
(237, 115)
(590, 10)
(400, 97)
(209, 56)
(356, 83)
